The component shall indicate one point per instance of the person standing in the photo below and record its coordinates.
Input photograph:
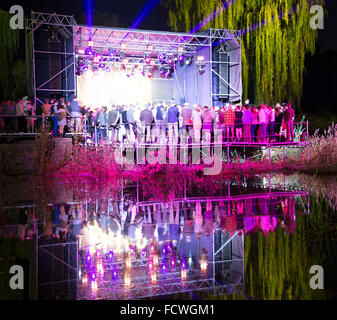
(255, 123)
(45, 110)
(207, 124)
(197, 122)
(160, 123)
(247, 120)
(31, 116)
(54, 120)
(229, 121)
(172, 122)
(20, 113)
(271, 125)
(289, 116)
(132, 122)
(146, 119)
(75, 114)
(278, 120)
(238, 123)
(220, 123)
(113, 118)
(263, 122)
(62, 119)
(186, 114)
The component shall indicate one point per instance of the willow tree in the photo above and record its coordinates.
(276, 36)
(9, 42)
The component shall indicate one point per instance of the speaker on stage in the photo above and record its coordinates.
(55, 62)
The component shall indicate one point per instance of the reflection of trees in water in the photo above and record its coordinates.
(277, 265)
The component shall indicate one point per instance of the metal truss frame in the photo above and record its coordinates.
(136, 40)
(32, 25)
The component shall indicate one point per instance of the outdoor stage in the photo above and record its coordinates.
(113, 66)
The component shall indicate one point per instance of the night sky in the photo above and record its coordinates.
(128, 10)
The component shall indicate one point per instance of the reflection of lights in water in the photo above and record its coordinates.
(128, 262)
(79, 274)
(84, 280)
(183, 264)
(94, 286)
(144, 253)
(164, 250)
(150, 265)
(114, 274)
(203, 265)
(154, 278)
(183, 274)
(88, 258)
(108, 241)
(163, 268)
(155, 260)
(190, 261)
(152, 248)
(173, 263)
(98, 253)
(127, 280)
(100, 268)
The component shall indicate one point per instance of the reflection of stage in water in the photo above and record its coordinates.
(116, 259)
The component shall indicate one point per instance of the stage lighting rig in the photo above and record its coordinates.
(201, 64)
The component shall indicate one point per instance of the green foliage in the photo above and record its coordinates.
(276, 38)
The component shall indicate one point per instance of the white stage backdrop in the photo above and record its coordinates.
(113, 88)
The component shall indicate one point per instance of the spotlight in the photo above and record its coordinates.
(89, 52)
(101, 66)
(188, 60)
(180, 49)
(200, 59)
(85, 68)
(125, 61)
(150, 47)
(90, 43)
(148, 60)
(201, 68)
(153, 62)
(97, 58)
(81, 51)
(161, 56)
(123, 46)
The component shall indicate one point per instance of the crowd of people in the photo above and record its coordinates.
(173, 124)
(153, 123)
(22, 116)
(165, 221)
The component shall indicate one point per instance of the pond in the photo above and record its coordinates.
(240, 237)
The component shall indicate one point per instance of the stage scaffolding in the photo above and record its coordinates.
(138, 42)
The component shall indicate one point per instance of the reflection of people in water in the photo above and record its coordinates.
(188, 229)
(290, 218)
(210, 225)
(198, 220)
(148, 227)
(161, 219)
(174, 221)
